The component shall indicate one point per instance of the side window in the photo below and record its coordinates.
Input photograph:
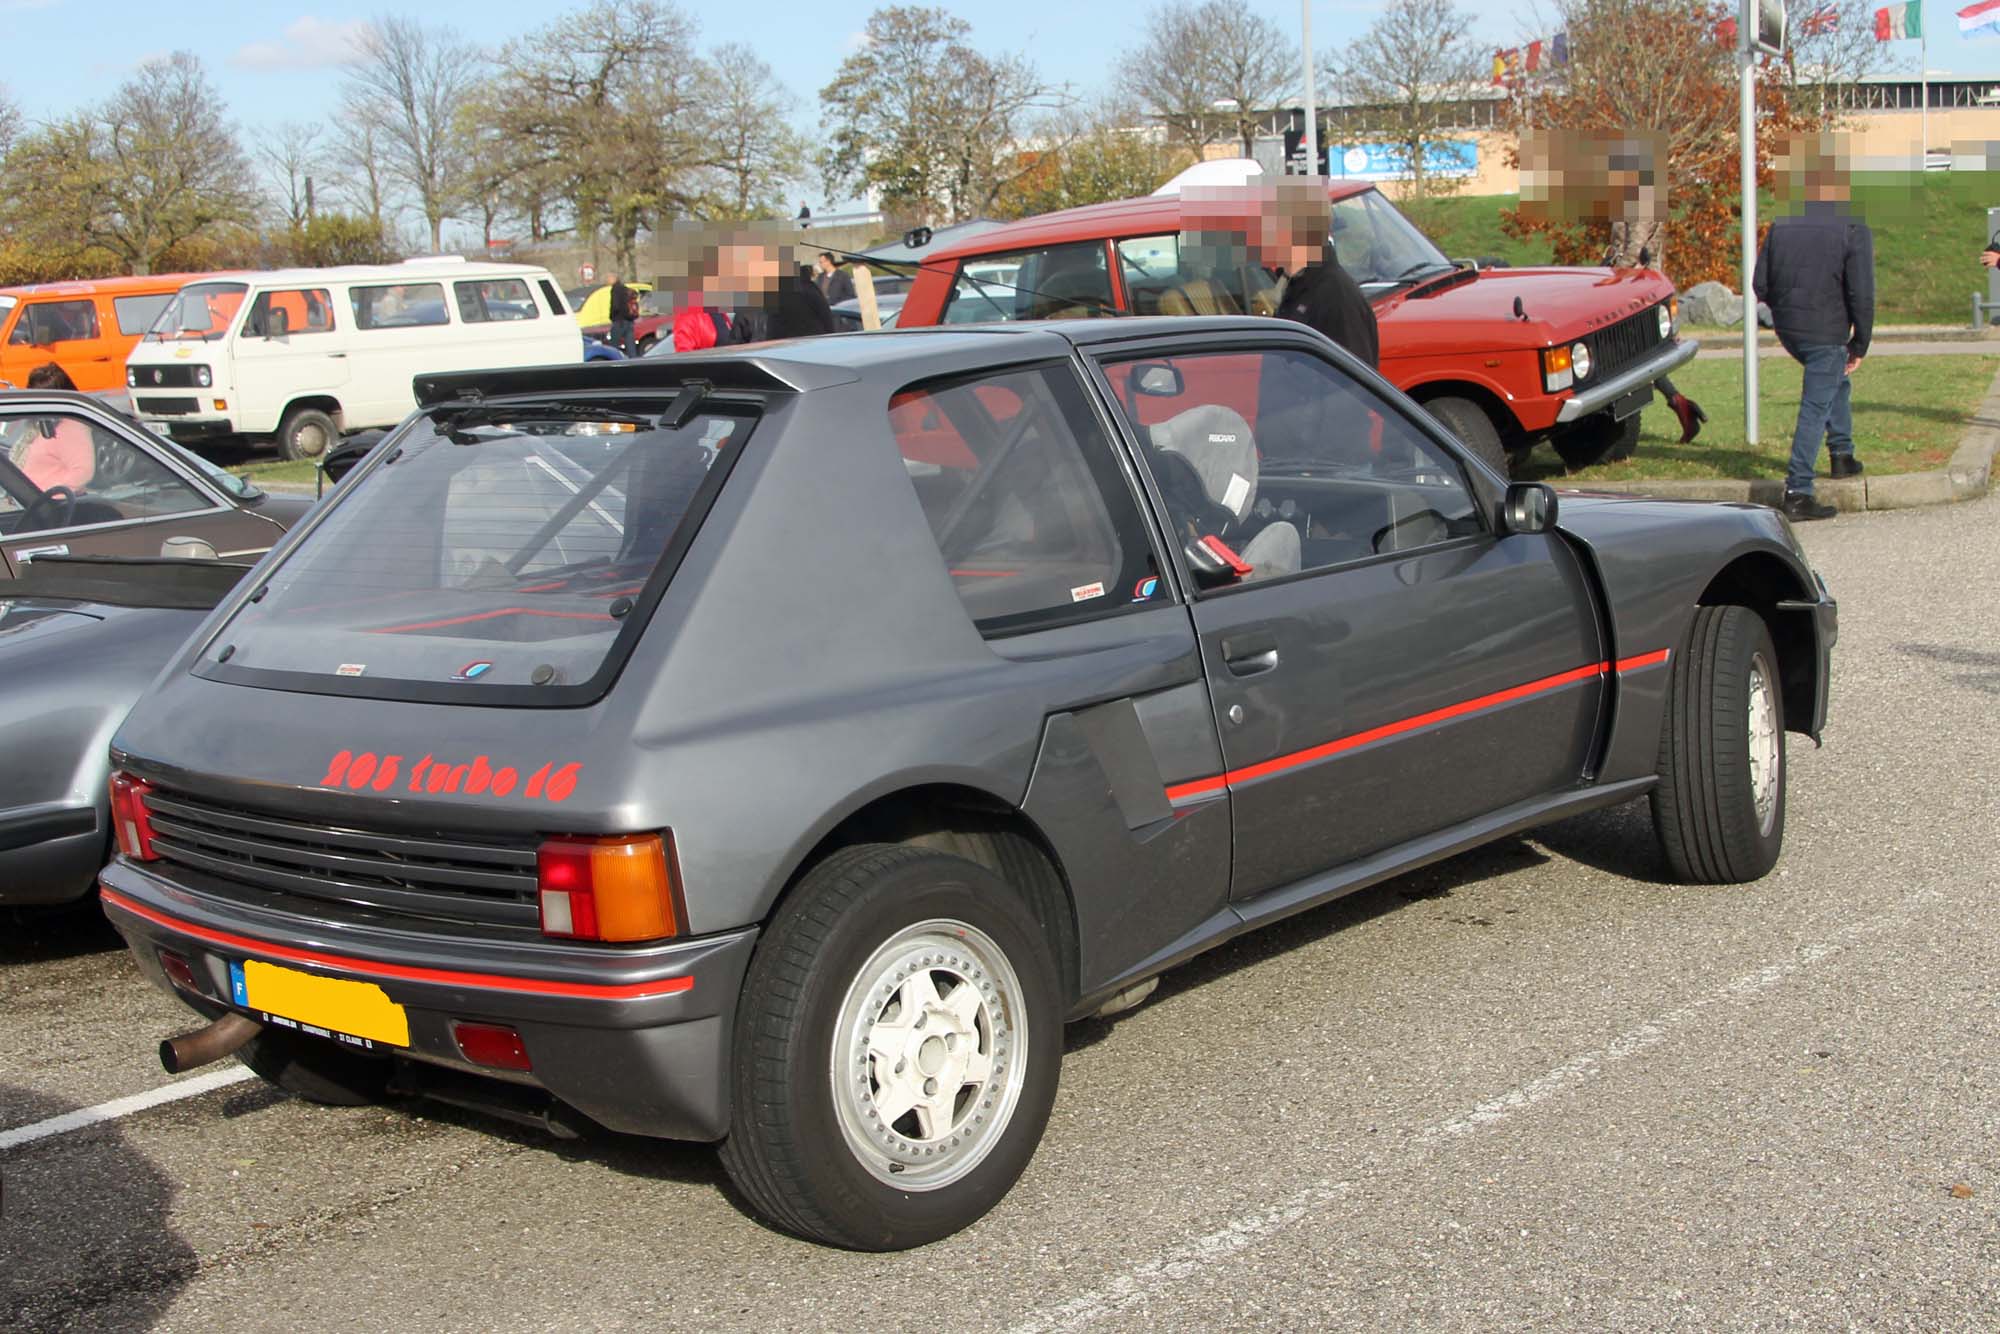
(1064, 282)
(1287, 460)
(112, 478)
(555, 300)
(1023, 493)
(282, 313)
(489, 299)
(399, 306)
(48, 322)
(135, 314)
(1194, 274)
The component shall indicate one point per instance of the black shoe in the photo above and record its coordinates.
(1844, 465)
(1800, 506)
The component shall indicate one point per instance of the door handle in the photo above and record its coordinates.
(1250, 654)
(336, 356)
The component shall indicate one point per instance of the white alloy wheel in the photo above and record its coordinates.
(1767, 756)
(927, 1055)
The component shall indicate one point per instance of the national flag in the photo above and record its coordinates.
(1825, 19)
(1507, 64)
(1980, 20)
(1560, 48)
(1907, 20)
(1534, 56)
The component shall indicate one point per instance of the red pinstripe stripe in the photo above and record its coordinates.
(1198, 787)
(665, 986)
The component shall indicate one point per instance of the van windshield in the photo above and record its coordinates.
(498, 554)
(199, 310)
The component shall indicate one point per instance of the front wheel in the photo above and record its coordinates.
(1719, 808)
(1597, 439)
(1469, 422)
(897, 1050)
(306, 434)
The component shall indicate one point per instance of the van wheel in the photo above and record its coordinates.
(1469, 422)
(897, 1050)
(1719, 807)
(306, 434)
(1597, 439)
(317, 1070)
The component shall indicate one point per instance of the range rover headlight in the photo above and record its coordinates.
(1666, 309)
(1579, 360)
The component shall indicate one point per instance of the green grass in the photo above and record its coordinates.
(1908, 415)
(1929, 229)
(261, 473)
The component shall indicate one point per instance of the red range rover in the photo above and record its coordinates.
(1504, 357)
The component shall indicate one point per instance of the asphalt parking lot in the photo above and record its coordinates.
(1532, 1085)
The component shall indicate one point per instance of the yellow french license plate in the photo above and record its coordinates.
(331, 1006)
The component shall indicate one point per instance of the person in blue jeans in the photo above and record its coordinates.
(1816, 271)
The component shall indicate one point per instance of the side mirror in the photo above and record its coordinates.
(1529, 507)
(1156, 379)
(917, 237)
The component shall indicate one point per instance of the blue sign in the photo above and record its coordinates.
(1387, 162)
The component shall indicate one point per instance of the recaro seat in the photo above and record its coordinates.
(1217, 441)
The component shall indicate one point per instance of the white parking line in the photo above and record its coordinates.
(1183, 1259)
(117, 1107)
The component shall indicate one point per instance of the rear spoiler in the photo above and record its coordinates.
(758, 372)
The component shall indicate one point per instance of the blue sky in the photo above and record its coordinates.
(276, 62)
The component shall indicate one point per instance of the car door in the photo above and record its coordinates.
(287, 347)
(68, 332)
(73, 484)
(1390, 666)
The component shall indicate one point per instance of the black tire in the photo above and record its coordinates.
(1705, 808)
(790, 1151)
(306, 434)
(1469, 422)
(317, 1070)
(645, 347)
(1597, 439)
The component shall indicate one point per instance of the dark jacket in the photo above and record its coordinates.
(1816, 271)
(795, 310)
(838, 287)
(624, 302)
(1325, 296)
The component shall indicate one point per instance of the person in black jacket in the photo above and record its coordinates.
(774, 300)
(1321, 294)
(1816, 271)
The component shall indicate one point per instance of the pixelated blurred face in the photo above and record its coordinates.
(1570, 176)
(1813, 167)
(1282, 219)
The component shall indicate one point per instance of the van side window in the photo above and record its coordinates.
(46, 322)
(135, 314)
(305, 310)
(1035, 522)
(399, 306)
(555, 298)
(1062, 282)
(488, 299)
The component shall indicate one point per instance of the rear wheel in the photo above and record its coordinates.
(1719, 807)
(317, 1070)
(306, 434)
(1469, 422)
(897, 1050)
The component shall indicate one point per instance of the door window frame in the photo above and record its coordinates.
(201, 486)
(1485, 501)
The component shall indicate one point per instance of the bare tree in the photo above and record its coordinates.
(1405, 77)
(1832, 43)
(760, 154)
(412, 81)
(10, 121)
(355, 158)
(1208, 69)
(921, 117)
(290, 153)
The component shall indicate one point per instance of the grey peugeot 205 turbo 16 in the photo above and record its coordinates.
(778, 747)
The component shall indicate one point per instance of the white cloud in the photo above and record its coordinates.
(307, 43)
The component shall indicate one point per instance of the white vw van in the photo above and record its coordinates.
(302, 355)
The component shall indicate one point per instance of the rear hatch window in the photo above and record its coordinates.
(500, 554)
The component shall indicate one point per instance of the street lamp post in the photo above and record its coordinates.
(1312, 110)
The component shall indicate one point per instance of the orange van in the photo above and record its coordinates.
(88, 328)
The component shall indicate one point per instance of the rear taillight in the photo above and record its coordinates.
(130, 818)
(608, 888)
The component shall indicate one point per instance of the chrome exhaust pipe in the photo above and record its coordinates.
(210, 1043)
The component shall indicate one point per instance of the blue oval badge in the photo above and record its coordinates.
(472, 671)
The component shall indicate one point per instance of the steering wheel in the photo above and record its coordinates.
(42, 513)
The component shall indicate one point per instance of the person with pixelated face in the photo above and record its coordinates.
(1295, 239)
(771, 299)
(1816, 271)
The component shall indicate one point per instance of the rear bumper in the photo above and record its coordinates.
(637, 1039)
(1667, 359)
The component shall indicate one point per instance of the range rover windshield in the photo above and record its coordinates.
(1378, 245)
(503, 554)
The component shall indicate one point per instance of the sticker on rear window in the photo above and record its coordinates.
(1085, 592)
(472, 671)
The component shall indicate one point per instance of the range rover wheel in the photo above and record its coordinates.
(1719, 808)
(306, 433)
(1597, 439)
(317, 1070)
(897, 1050)
(1469, 422)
